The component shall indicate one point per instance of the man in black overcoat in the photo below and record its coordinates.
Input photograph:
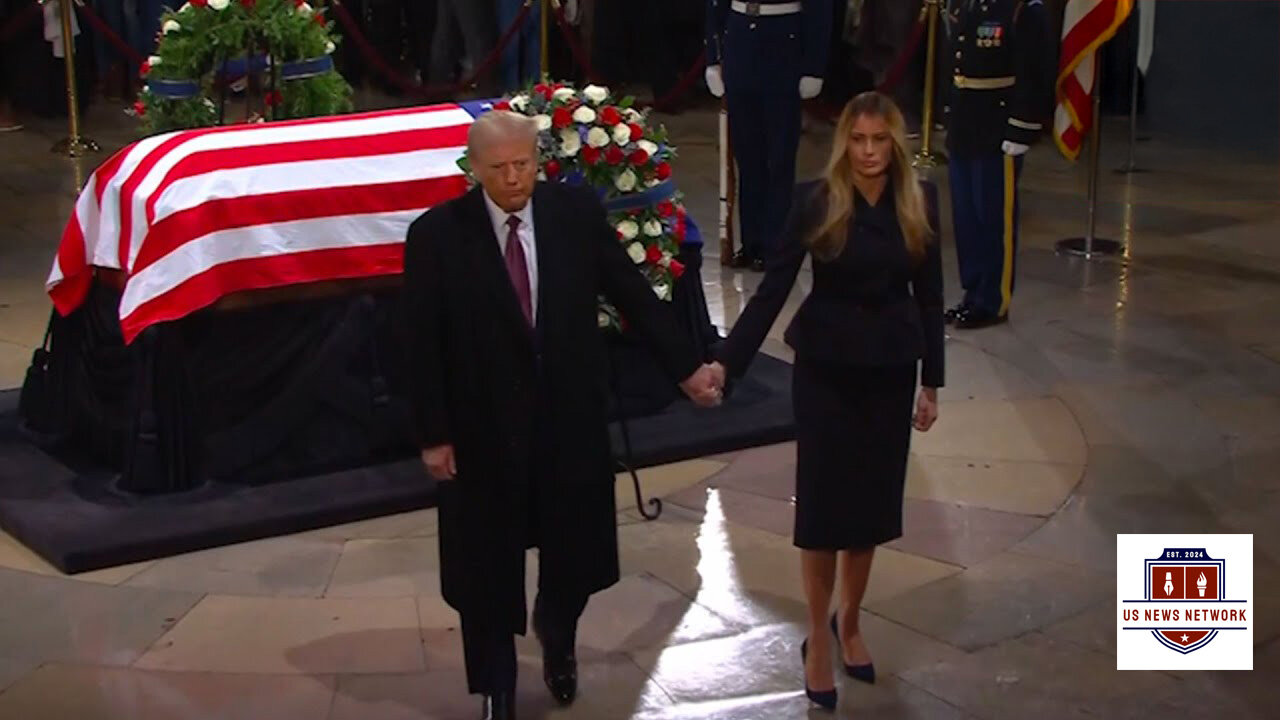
(508, 368)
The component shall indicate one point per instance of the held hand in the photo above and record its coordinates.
(715, 80)
(440, 462)
(926, 409)
(702, 388)
(1013, 149)
(810, 87)
(718, 374)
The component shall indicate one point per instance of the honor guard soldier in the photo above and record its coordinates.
(764, 58)
(1002, 80)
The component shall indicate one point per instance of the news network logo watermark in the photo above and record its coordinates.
(1184, 602)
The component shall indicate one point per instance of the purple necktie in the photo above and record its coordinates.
(518, 268)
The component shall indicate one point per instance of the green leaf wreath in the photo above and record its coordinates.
(277, 53)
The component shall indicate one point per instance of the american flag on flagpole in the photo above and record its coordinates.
(1087, 24)
(191, 216)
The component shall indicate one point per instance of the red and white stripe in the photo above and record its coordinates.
(194, 215)
(1087, 24)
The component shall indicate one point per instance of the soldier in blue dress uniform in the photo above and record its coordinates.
(765, 58)
(999, 100)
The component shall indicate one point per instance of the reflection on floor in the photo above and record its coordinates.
(1123, 397)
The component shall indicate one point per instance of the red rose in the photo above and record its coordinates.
(666, 209)
(591, 155)
(680, 231)
(247, 3)
(677, 269)
(610, 116)
(543, 90)
(552, 168)
(502, 105)
(614, 155)
(637, 132)
(653, 255)
(639, 157)
(139, 109)
(319, 19)
(273, 98)
(145, 70)
(561, 118)
(199, 3)
(663, 170)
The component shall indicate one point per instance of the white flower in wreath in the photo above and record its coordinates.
(304, 9)
(602, 319)
(595, 94)
(584, 115)
(667, 257)
(632, 115)
(543, 121)
(520, 103)
(653, 228)
(219, 4)
(154, 60)
(652, 182)
(628, 229)
(570, 142)
(662, 291)
(626, 182)
(637, 253)
(329, 47)
(621, 134)
(597, 137)
(170, 26)
(185, 7)
(562, 94)
(650, 148)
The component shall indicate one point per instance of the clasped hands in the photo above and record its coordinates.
(705, 387)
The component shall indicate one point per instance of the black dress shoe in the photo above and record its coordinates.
(863, 673)
(949, 317)
(972, 319)
(499, 706)
(757, 265)
(559, 665)
(741, 260)
(826, 699)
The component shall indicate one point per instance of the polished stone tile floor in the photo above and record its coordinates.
(1139, 394)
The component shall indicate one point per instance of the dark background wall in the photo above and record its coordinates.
(1214, 78)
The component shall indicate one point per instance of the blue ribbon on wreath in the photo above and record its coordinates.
(174, 89)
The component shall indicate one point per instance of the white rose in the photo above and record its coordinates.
(542, 175)
(652, 182)
(662, 291)
(602, 319)
(570, 142)
(649, 147)
(520, 103)
(597, 137)
(584, 115)
(636, 251)
(185, 7)
(219, 4)
(629, 230)
(544, 122)
(170, 26)
(621, 134)
(595, 94)
(562, 94)
(329, 47)
(666, 259)
(154, 60)
(653, 228)
(626, 182)
(632, 115)
(304, 9)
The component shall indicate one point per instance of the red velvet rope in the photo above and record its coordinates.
(440, 91)
(15, 23)
(899, 67)
(101, 25)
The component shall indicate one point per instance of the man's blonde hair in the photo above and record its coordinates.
(499, 125)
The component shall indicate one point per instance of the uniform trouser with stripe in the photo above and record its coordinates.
(984, 204)
(764, 127)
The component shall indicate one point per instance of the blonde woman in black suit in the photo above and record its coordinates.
(869, 328)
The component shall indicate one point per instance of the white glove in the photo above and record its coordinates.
(1013, 149)
(715, 80)
(810, 87)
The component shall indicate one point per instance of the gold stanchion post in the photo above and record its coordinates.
(547, 7)
(74, 145)
(926, 158)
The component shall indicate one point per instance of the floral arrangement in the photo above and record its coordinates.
(587, 136)
(207, 46)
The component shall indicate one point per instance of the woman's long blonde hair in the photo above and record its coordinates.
(829, 238)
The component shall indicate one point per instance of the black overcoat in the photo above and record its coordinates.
(525, 409)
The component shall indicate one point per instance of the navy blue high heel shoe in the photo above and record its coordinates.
(863, 673)
(826, 699)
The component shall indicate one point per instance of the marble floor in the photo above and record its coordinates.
(1132, 395)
